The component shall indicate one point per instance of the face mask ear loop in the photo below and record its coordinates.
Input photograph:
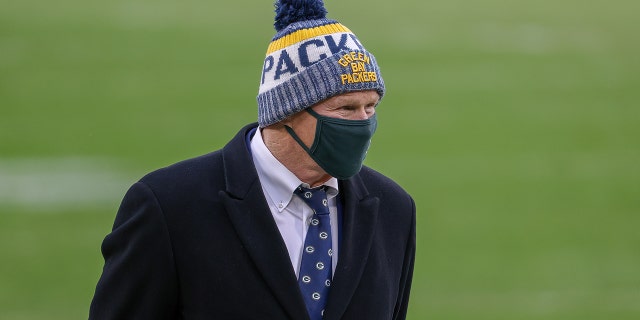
(313, 113)
(295, 137)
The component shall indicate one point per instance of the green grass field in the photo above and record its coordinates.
(514, 124)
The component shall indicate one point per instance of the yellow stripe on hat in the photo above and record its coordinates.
(305, 34)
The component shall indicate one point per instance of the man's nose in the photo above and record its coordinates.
(361, 114)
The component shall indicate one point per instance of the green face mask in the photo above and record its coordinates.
(339, 145)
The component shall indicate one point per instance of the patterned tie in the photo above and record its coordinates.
(315, 269)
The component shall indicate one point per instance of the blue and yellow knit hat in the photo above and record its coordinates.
(311, 58)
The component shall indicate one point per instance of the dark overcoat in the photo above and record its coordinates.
(196, 240)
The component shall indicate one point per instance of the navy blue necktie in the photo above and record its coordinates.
(315, 269)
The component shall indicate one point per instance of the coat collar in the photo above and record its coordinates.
(359, 217)
(250, 215)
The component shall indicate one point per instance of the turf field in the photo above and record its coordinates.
(514, 124)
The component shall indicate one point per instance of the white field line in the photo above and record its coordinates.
(48, 184)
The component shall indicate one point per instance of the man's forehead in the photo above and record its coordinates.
(368, 96)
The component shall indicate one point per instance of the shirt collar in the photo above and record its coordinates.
(278, 183)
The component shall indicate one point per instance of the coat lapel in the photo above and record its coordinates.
(360, 213)
(251, 217)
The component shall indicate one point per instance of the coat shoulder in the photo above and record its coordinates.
(378, 184)
(187, 172)
(205, 171)
(393, 198)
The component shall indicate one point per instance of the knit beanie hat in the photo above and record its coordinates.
(310, 59)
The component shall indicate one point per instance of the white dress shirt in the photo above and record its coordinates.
(291, 214)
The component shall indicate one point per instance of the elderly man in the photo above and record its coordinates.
(284, 222)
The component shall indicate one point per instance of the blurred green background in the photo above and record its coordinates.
(514, 124)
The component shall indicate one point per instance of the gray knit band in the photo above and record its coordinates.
(316, 83)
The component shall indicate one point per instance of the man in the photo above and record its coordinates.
(284, 222)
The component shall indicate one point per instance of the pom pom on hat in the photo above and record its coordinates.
(290, 11)
(310, 59)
